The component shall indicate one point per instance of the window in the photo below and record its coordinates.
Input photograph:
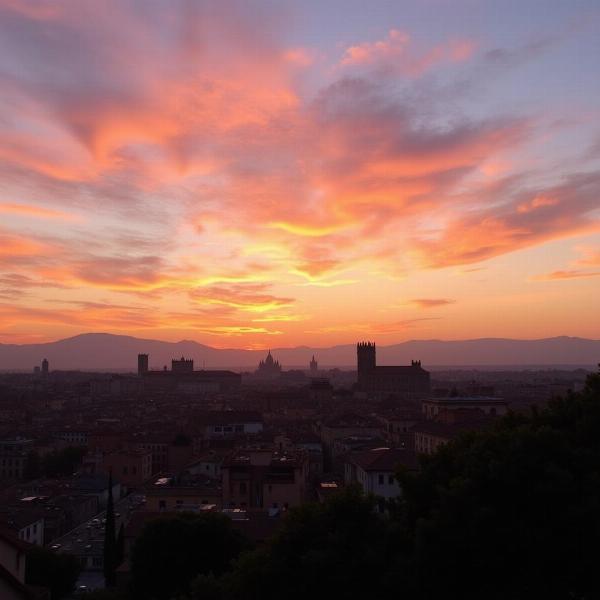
(390, 479)
(239, 429)
(380, 478)
(162, 505)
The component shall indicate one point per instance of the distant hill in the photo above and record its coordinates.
(106, 351)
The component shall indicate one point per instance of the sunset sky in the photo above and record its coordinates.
(260, 174)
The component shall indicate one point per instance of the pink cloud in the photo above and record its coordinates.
(396, 52)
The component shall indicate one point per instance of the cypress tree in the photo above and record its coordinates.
(110, 541)
(120, 545)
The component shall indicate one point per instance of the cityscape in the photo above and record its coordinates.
(299, 299)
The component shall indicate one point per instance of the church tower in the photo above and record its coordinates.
(142, 364)
(365, 354)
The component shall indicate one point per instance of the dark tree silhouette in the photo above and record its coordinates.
(339, 549)
(56, 572)
(172, 551)
(513, 512)
(110, 540)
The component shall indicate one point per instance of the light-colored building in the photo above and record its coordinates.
(227, 424)
(165, 495)
(374, 470)
(12, 570)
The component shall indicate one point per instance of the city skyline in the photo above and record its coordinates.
(274, 175)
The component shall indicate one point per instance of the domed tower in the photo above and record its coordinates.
(366, 362)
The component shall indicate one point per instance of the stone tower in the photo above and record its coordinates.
(365, 354)
(142, 364)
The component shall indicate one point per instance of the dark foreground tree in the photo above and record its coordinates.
(57, 572)
(172, 551)
(341, 549)
(111, 550)
(513, 512)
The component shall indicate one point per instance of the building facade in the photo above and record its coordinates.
(407, 382)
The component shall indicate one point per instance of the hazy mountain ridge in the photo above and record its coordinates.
(108, 351)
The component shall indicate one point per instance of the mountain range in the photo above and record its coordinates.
(103, 351)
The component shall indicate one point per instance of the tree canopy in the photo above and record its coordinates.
(172, 551)
(512, 512)
(56, 572)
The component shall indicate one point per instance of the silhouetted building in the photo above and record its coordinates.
(490, 406)
(142, 364)
(183, 365)
(269, 368)
(314, 366)
(265, 478)
(408, 382)
(183, 378)
(45, 366)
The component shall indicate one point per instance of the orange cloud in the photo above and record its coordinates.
(245, 297)
(431, 302)
(35, 211)
(590, 258)
(505, 228)
(561, 275)
(18, 246)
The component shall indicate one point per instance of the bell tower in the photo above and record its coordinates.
(366, 361)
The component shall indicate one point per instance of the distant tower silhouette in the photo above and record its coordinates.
(269, 368)
(142, 364)
(45, 366)
(366, 361)
(314, 365)
(182, 365)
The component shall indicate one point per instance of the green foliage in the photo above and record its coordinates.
(56, 572)
(172, 551)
